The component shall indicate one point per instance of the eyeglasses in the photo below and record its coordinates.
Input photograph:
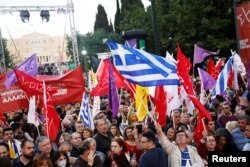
(180, 135)
(211, 141)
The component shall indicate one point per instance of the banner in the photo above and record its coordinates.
(243, 21)
(69, 87)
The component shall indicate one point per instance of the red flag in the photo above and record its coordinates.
(52, 119)
(199, 128)
(102, 88)
(231, 78)
(183, 67)
(211, 68)
(32, 87)
(160, 104)
(2, 118)
(69, 87)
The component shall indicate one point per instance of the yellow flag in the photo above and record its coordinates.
(141, 102)
(93, 77)
(11, 150)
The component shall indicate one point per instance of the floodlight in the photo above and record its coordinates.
(45, 15)
(61, 11)
(25, 15)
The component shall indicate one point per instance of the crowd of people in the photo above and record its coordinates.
(123, 141)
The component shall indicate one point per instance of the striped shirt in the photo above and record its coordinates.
(185, 158)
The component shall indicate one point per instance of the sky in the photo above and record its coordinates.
(58, 25)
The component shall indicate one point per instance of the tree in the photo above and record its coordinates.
(7, 56)
(210, 23)
(111, 28)
(101, 21)
(93, 43)
(117, 18)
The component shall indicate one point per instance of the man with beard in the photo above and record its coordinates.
(28, 152)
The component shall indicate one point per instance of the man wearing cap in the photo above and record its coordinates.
(238, 134)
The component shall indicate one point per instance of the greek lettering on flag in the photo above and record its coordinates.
(143, 68)
(85, 114)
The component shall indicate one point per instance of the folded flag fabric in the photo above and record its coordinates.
(200, 54)
(221, 83)
(142, 68)
(29, 66)
(207, 80)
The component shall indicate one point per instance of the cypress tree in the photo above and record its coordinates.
(101, 21)
(117, 18)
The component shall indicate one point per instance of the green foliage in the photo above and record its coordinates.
(210, 23)
(93, 43)
(117, 18)
(7, 55)
(101, 21)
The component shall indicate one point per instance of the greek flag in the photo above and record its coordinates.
(143, 68)
(221, 83)
(85, 114)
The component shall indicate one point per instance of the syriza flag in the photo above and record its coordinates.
(29, 66)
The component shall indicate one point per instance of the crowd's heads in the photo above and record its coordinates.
(242, 122)
(44, 145)
(76, 139)
(60, 158)
(8, 134)
(65, 147)
(101, 126)
(4, 150)
(223, 138)
(128, 133)
(231, 125)
(247, 131)
(181, 137)
(42, 159)
(91, 143)
(87, 133)
(148, 140)
(79, 126)
(65, 137)
(28, 149)
(210, 142)
(118, 146)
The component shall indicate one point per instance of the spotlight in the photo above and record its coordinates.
(45, 15)
(25, 15)
(61, 11)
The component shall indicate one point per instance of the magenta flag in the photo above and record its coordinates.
(29, 66)
(200, 54)
(113, 94)
(207, 80)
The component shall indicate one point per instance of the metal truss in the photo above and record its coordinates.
(68, 8)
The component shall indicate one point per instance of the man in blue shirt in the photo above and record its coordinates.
(153, 157)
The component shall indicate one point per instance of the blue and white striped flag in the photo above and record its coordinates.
(221, 83)
(143, 68)
(85, 114)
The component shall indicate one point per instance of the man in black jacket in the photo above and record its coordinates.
(87, 158)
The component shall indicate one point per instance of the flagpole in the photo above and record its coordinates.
(38, 130)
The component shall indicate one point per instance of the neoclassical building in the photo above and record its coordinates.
(49, 49)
